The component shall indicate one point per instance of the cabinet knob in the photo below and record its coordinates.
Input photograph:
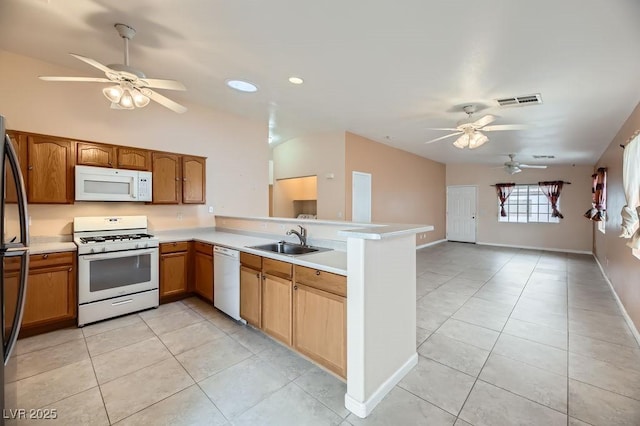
(295, 287)
(184, 179)
(175, 244)
(257, 275)
(45, 256)
(30, 168)
(177, 179)
(264, 277)
(317, 272)
(70, 269)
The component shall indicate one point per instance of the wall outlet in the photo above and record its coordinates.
(264, 225)
(210, 209)
(179, 216)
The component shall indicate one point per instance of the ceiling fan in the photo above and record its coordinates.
(470, 130)
(132, 87)
(512, 166)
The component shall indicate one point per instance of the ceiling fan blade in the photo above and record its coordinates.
(483, 121)
(512, 170)
(164, 101)
(82, 79)
(506, 127)
(453, 129)
(162, 84)
(105, 69)
(443, 137)
(527, 166)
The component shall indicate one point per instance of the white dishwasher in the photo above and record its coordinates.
(226, 281)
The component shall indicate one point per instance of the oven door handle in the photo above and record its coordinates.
(125, 253)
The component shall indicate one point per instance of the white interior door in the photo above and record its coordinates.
(461, 213)
(361, 197)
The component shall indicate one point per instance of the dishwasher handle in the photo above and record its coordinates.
(224, 251)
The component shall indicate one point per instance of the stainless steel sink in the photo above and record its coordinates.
(288, 248)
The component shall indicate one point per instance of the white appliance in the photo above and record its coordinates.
(226, 279)
(105, 184)
(117, 267)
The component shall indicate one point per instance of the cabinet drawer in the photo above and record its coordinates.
(251, 261)
(51, 259)
(174, 247)
(333, 283)
(277, 268)
(11, 264)
(203, 248)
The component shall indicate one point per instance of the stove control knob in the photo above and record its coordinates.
(137, 246)
(104, 249)
(93, 251)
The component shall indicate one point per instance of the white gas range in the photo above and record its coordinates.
(117, 266)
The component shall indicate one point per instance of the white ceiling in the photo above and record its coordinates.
(384, 70)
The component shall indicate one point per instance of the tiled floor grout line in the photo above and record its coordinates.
(495, 343)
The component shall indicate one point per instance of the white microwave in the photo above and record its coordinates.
(105, 184)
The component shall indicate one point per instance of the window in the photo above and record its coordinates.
(527, 204)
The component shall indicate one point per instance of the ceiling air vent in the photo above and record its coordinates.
(539, 157)
(520, 100)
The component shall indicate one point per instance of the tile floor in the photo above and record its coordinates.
(505, 337)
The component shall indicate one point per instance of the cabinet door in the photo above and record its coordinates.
(276, 307)
(134, 159)
(251, 296)
(50, 170)
(193, 180)
(203, 268)
(320, 327)
(19, 142)
(173, 274)
(50, 295)
(95, 154)
(166, 178)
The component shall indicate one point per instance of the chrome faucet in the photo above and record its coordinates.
(302, 235)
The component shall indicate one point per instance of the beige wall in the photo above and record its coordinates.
(288, 190)
(573, 232)
(237, 182)
(321, 155)
(620, 266)
(405, 188)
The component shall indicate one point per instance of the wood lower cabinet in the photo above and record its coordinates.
(251, 296)
(276, 307)
(95, 154)
(50, 170)
(51, 292)
(203, 270)
(320, 318)
(174, 269)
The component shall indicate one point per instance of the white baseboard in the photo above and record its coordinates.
(535, 248)
(432, 243)
(626, 316)
(363, 409)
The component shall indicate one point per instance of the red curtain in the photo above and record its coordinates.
(504, 190)
(598, 209)
(552, 191)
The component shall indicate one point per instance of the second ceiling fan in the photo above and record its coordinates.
(469, 132)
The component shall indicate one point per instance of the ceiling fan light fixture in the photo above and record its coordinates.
(126, 101)
(477, 140)
(139, 99)
(113, 93)
(462, 142)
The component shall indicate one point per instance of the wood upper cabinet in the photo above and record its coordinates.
(203, 270)
(50, 170)
(51, 289)
(19, 142)
(174, 268)
(95, 154)
(167, 181)
(134, 159)
(320, 318)
(277, 289)
(193, 180)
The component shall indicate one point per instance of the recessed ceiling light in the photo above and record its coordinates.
(295, 80)
(243, 86)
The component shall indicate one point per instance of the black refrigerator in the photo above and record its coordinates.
(14, 253)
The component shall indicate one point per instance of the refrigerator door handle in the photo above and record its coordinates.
(22, 193)
(22, 292)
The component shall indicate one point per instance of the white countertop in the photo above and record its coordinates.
(52, 247)
(334, 261)
(387, 231)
